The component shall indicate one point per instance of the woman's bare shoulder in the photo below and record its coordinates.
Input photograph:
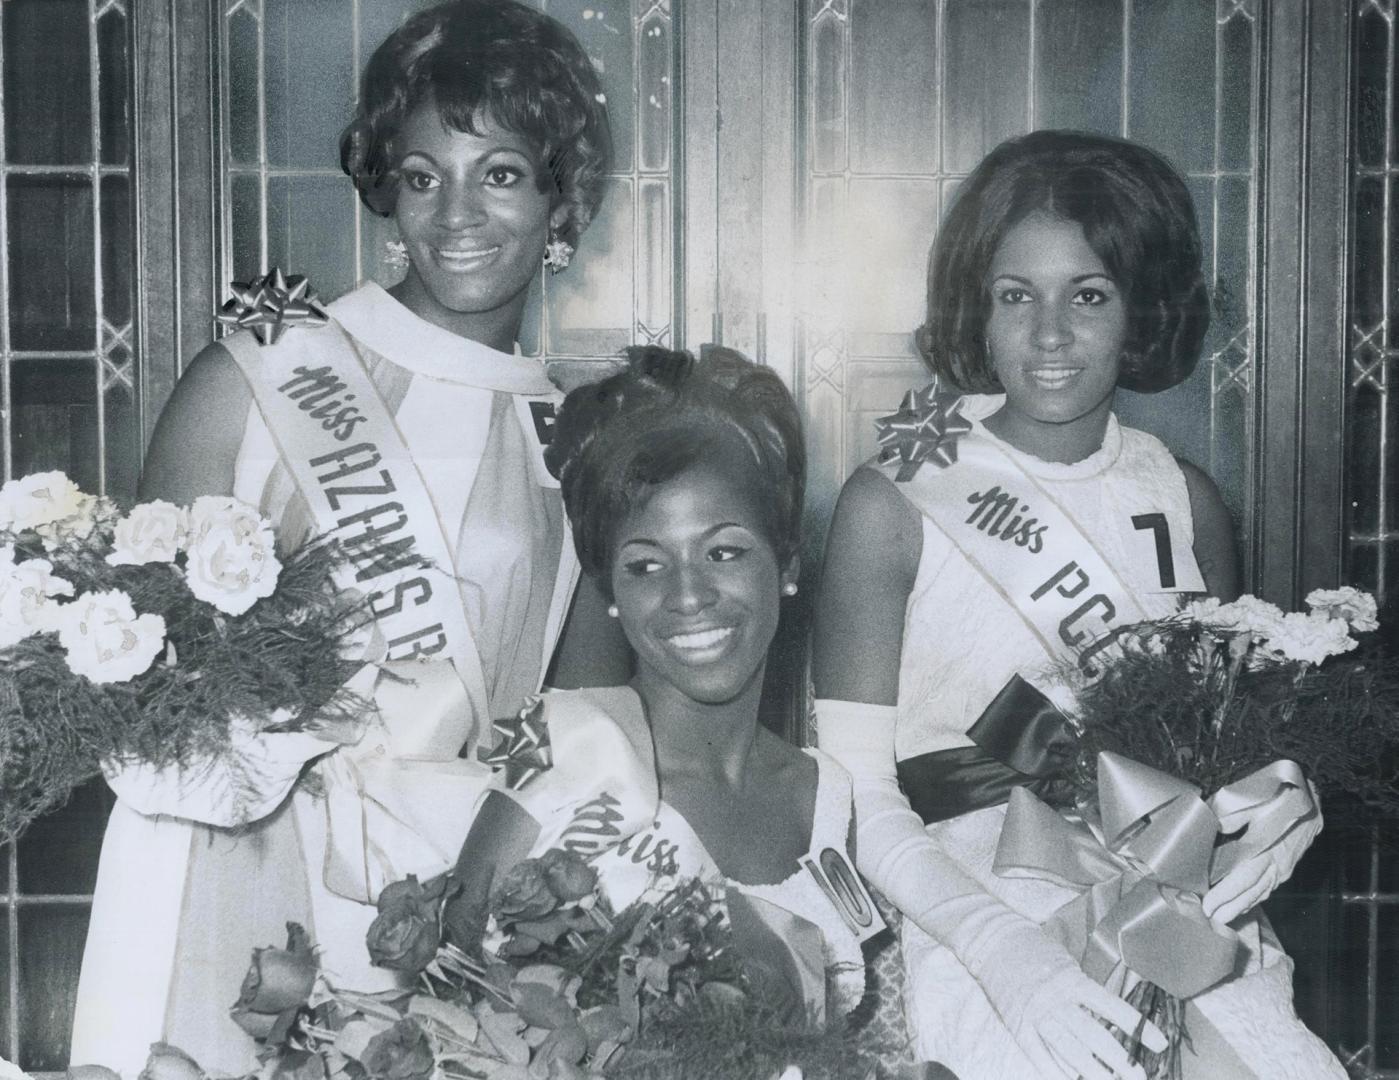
(194, 447)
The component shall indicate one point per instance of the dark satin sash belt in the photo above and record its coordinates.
(1022, 740)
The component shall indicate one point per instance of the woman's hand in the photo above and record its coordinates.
(1060, 1029)
(1253, 880)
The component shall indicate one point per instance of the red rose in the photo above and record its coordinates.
(401, 1053)
(568, 875)
(523, 894)
(404, 936)
(279, 979)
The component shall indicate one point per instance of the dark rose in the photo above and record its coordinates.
(405, 934)
(401, 1053)
(168, 1062)
(523, 894)
(297, 1065)
(279, 979)
(569, 876)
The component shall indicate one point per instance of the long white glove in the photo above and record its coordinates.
(1253, 880)
(1048, 1004)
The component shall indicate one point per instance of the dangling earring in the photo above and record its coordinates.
(790, 589)
(612, 610)
(396, 255)
(557, 253)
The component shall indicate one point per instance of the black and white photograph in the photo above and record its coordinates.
(699, 540)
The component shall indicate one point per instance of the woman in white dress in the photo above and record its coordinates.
(1015, 529)
(409, 424)
(683, 481)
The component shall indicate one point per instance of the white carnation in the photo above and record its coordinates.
(1353, 606)
(105, 640)
(1258, 617)
(1310, 638)
(39, 499)
(26, 592)
(231, 559)
(151, 532)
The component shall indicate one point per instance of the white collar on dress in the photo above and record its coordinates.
(373, 317)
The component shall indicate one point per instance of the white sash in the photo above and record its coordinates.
(1029, 549)
(341, 444)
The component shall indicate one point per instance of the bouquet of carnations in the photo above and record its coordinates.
(158, 636)
(1217, 691)
(1200, 750)
(561, 987)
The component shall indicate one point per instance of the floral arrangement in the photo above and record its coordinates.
(1199, 746)
(153, 635)
(1216, 691)
(560, 988)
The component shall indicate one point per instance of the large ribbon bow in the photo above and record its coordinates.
(522, 749)
(1143, 858)
(268, 305)
(926, 427)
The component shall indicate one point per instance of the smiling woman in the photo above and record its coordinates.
(480, 128)
(1069, 265)
(475, 210)
(683, 481)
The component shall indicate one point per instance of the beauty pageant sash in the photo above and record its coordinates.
(1027, 546)
(581, 763)
(340, 442)
(384, 795)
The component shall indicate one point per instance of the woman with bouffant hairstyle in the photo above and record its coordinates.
(683, 480)
(481, 130)
(1016, 526)
(1136, 215)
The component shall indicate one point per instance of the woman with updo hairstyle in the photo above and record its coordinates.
(410, 426)
(615, 440)
(683, 480)
(976, 568)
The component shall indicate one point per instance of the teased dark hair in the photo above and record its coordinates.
(1137, 217)
(476, 58)
(616, 439)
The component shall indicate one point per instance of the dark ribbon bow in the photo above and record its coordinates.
(522, 749)
(268, 305)
(926, 427)
(1021, 740)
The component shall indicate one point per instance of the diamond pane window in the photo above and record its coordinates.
(68, 382)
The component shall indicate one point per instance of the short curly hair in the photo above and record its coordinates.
(479, 58)
(666, 411)
(1136, 215)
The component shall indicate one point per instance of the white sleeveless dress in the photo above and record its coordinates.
(602, 745)
(943, 691)
(181, 898)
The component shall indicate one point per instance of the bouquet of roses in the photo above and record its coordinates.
(155, 635)
(561, 987)
(1199, 751)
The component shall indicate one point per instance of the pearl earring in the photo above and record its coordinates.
(790, 589)
(612, 610)
(396, 255)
